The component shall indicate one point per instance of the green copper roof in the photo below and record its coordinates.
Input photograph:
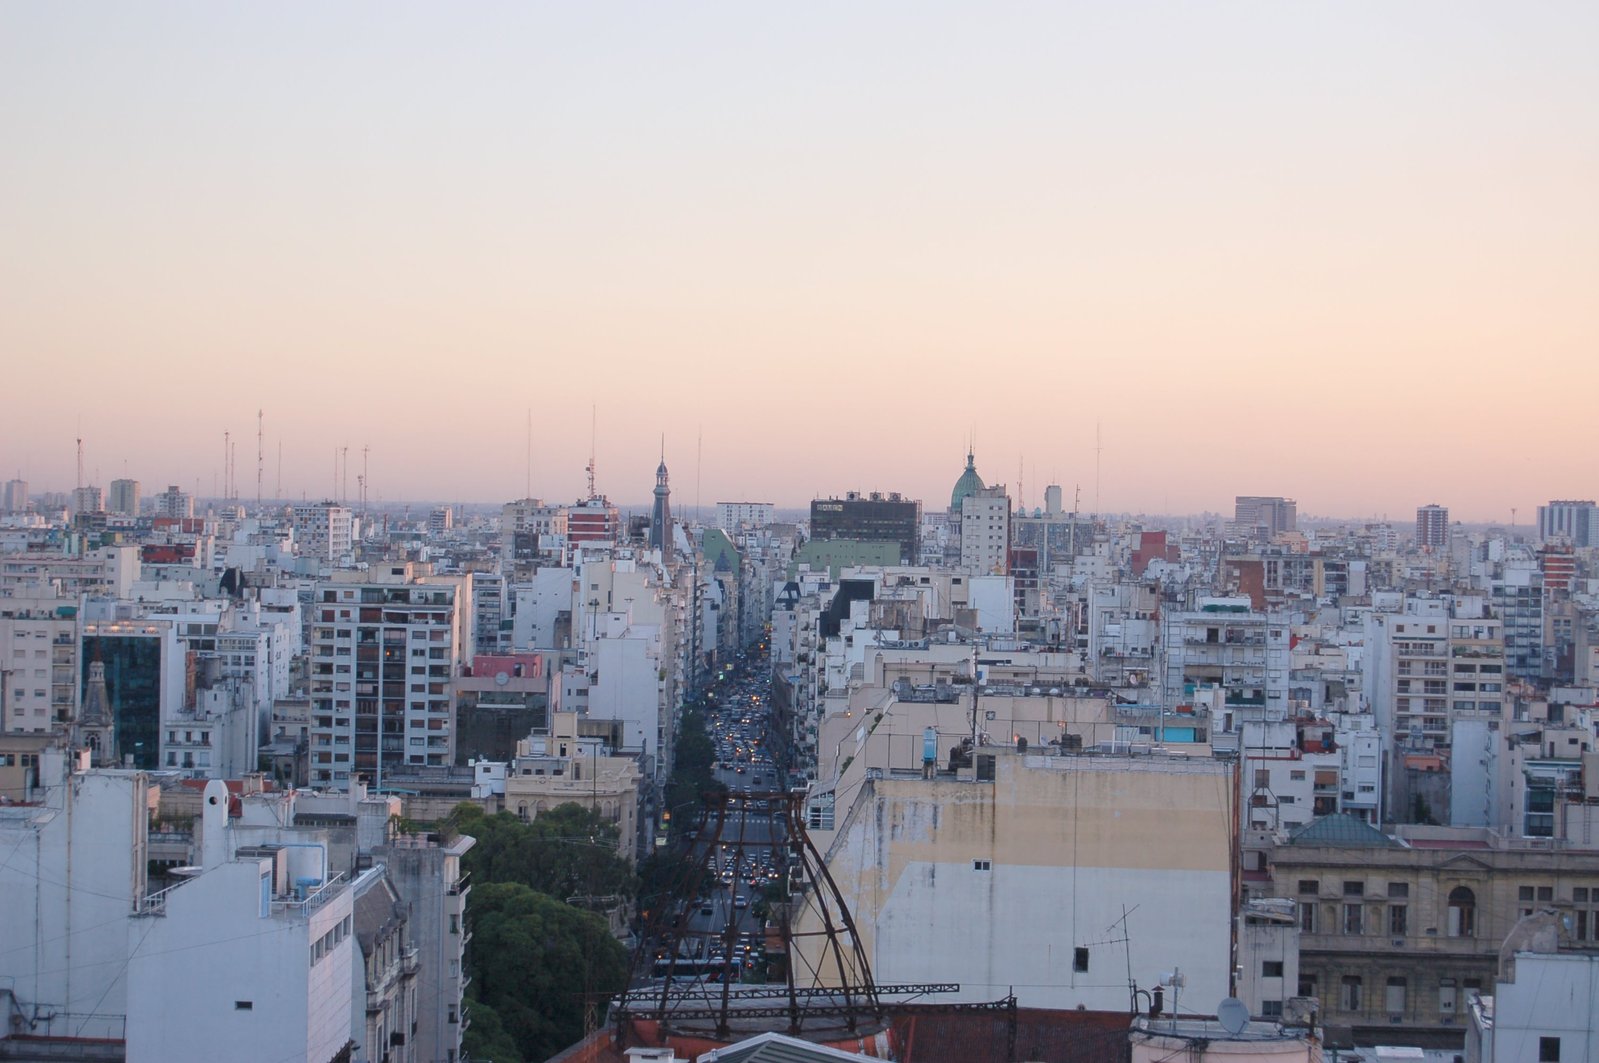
(1342, 831)
(969, 484)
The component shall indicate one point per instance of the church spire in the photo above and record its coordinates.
(661, 512)
(96, 724)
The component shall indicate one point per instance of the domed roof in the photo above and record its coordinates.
(969, 484)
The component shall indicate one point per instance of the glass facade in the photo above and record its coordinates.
(133, 690)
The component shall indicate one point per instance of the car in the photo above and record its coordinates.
(740, 901)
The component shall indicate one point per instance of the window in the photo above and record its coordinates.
(1462, 913)
(982, 865)
(1548, 1050)
(1354, 921)
(1397, 920)
(1307, 917)
(1080, 960)
(1271, 968)
(1398, 889)
(1309, 886)
(1446, 995)
(1394, 997)
(1354, 889)
(1271, 1009)
(1349, 993)
(249, 1005)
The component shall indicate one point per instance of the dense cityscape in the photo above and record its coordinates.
(712, 532)
(317, 781)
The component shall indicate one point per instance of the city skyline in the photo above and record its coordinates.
(1164, 255)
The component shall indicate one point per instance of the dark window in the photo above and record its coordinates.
(1080, 962)
(1396, 920)
(1548, 1050)
(248, 1005)
(1354, 889)
(1398, 889)
(1271, 969)
(1309, 885)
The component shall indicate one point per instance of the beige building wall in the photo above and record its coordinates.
(1060, 879)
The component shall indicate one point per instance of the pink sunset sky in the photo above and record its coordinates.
(1347, 253)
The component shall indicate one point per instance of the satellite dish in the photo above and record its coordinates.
(1233, 1014)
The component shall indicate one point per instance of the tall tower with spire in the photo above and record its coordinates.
(661, 513)
(96, 727)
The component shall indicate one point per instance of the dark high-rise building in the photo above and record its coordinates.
(1432, 527)
(874, 518)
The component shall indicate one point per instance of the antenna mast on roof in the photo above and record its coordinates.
(80, 464)
(594, 421)
(260, 453)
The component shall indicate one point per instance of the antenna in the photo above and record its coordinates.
(366, 449)
(1099, 451)
(279, 492)
(594, 423)
(227, 449)
(528, 492)
(344, 490)
(260, 453)
(80, 463)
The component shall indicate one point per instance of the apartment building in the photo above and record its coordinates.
(385, 646)
(323, 530)
(985, 519)
(734, 516)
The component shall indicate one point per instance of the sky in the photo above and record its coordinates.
(1161, 253)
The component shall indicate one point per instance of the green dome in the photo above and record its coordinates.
(969, 484)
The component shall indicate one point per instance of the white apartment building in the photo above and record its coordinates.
(1227, 645)
(385, 645)
(77, 865)
(985, 531)
(173, 504)
(323, 530)
(86, 500)
(532, 532)
(733, 516)
(38, 663)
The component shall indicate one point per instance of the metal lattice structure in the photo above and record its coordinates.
(685, 973)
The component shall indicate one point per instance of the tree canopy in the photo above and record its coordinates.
(535, 962)
(566, 851)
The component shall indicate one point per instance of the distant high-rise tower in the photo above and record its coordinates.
(1432, 527)
(661, 514)
(1574, 522)
(16, 500)
(124, 498)
(1265, 516)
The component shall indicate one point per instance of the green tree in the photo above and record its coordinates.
(566, 851)
(535, 961)
(485, 1039)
